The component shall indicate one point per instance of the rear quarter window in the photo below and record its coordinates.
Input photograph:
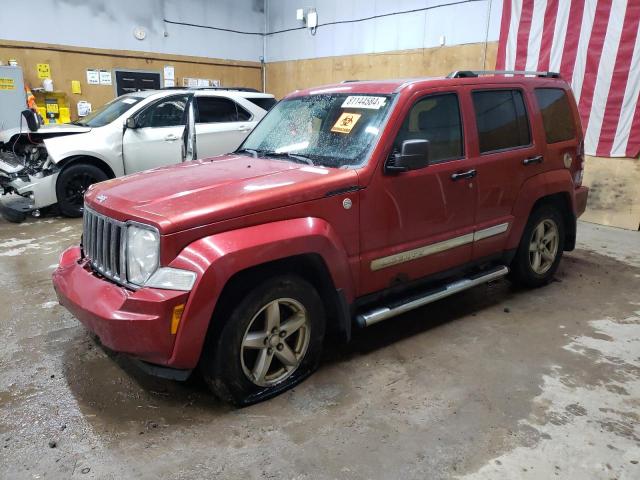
(265, 103)
(556, 113)
(501, 119)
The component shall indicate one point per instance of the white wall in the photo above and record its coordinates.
(110, 23)
(460, 24)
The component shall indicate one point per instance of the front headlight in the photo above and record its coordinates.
(143, 253)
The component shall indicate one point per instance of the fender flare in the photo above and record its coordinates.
(217, 258)
(533, 189)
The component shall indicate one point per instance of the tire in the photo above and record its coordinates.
(13, 216)
(73, 181)
(253, 337)
(540, 249)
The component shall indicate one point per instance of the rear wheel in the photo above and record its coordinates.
(272, 341)
(73, 181)
(540, 248)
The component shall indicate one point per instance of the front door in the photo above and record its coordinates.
(221, 125)
(420, 222)
(158, 138)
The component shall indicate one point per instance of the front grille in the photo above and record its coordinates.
(102, 243)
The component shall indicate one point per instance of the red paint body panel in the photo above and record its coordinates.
(223, 215)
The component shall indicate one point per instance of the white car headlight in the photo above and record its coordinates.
(143, 253)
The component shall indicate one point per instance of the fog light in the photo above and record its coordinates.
(175, 318)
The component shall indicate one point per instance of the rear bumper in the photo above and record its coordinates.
(581, 194)
(136, 323)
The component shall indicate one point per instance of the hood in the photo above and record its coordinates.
(46, 131)
(201, 192)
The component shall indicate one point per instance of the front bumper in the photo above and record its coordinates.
(40, 191)
(135, 323)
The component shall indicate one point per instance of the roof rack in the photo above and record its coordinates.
(235, 89)
(477, 73)
(350, 81)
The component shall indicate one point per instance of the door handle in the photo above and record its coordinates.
(533, 160)
(468, 174)
(170, 138)
(244, 128)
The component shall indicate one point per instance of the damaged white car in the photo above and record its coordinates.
(137, 131)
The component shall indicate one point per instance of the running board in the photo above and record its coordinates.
(379, 314)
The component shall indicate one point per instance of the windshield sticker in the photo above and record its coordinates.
(372, 103)
(346, 122)
(129, 100)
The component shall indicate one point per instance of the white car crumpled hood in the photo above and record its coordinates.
(44, 131)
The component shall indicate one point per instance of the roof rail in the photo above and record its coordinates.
(235, 89)
(350, 81)
(477, 73)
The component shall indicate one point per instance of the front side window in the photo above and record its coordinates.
(216, 110)
(334, 130)
(435, 118)
(501, 119)
(109, 112)
(169, 112)
(556, 114)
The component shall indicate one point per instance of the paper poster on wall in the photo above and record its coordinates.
(44, 70)
(75, 87)
(84, 108)
(93, 77)
(169, 83)
(169, 72)
(105, 77)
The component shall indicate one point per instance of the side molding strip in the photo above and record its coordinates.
(416, 253)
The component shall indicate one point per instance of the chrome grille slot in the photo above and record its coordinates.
(102, 244)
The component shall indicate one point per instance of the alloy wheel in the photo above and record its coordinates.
(275, 342)
(543, 247)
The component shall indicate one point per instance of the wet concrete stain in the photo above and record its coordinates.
(482, 385)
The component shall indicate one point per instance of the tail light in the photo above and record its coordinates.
(579, 165)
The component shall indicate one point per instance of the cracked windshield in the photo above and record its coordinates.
(331, 130)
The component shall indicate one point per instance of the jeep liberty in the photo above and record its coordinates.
(348, 204)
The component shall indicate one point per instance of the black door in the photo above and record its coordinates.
(127, 82)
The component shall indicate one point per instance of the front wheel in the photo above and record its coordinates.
(271, 341)
(72, 182)
(540, 248)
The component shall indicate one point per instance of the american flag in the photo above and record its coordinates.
(595, 46)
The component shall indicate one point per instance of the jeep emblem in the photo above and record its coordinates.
(101, 198)
(346, 203)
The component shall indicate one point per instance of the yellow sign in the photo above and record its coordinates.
(52, 108)
(346, 122)
(44, 71)
(7, 84)
(75, 86)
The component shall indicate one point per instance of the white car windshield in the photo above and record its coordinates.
(109, 112)
(333, 130)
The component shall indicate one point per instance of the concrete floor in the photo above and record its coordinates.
(492, 383)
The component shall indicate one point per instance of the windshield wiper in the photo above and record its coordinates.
(254, 153)
(293, 156)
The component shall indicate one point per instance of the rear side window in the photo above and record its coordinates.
(263, 103)
(556, 114)
(501, 119)
(216, 110)
(435, 118)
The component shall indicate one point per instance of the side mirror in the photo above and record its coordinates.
(131, 123)
(414, 154)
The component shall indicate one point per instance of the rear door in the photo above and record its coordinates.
(157, 140)
(506, 153)
(221, 125)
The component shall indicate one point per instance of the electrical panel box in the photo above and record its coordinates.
(12, 97)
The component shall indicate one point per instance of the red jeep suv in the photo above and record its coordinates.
(347, 205)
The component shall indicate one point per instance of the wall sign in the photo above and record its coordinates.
(105, 77)
(93, 77)
(44, 70)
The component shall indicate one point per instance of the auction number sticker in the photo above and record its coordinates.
(346, 122)
(372, 103)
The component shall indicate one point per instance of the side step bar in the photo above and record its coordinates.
(379, 314)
